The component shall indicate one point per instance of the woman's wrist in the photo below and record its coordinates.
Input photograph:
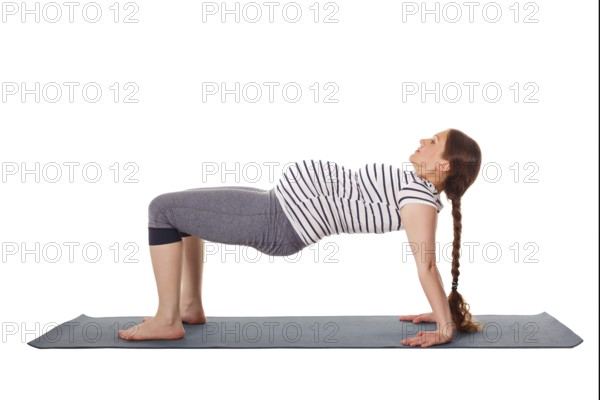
(446, 328)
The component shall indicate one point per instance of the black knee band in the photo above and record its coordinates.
(163, 236)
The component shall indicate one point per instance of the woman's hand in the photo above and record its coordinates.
(416, 318)
(428, 338)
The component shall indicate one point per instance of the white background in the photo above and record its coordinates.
(170, 135)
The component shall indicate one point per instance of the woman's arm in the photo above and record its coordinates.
(420, 222)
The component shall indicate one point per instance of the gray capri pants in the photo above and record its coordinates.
(237, 215)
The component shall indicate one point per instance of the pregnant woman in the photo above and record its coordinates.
(312, 200)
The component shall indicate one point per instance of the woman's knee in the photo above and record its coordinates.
(157, 209)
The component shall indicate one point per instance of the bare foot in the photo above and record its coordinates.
(154, 328)
(192, 314)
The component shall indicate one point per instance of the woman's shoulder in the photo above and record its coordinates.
(413, 182)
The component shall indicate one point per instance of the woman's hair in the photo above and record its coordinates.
(464, 156)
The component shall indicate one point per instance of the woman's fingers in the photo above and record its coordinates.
(409, 317)
(413, 341)
(425, 339)
(402, 317)
(416, 318)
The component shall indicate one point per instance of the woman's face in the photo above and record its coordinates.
(427, 159)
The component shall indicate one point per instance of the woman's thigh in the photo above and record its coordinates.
(230, 215)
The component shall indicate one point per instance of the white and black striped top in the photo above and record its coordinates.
(321, 198)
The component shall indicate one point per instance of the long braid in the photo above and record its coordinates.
(459, 309)
(457, 219)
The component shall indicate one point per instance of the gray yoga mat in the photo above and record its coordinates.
(367, 331)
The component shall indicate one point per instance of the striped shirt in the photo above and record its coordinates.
(322, 198)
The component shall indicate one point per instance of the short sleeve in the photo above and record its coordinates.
(416, 192)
